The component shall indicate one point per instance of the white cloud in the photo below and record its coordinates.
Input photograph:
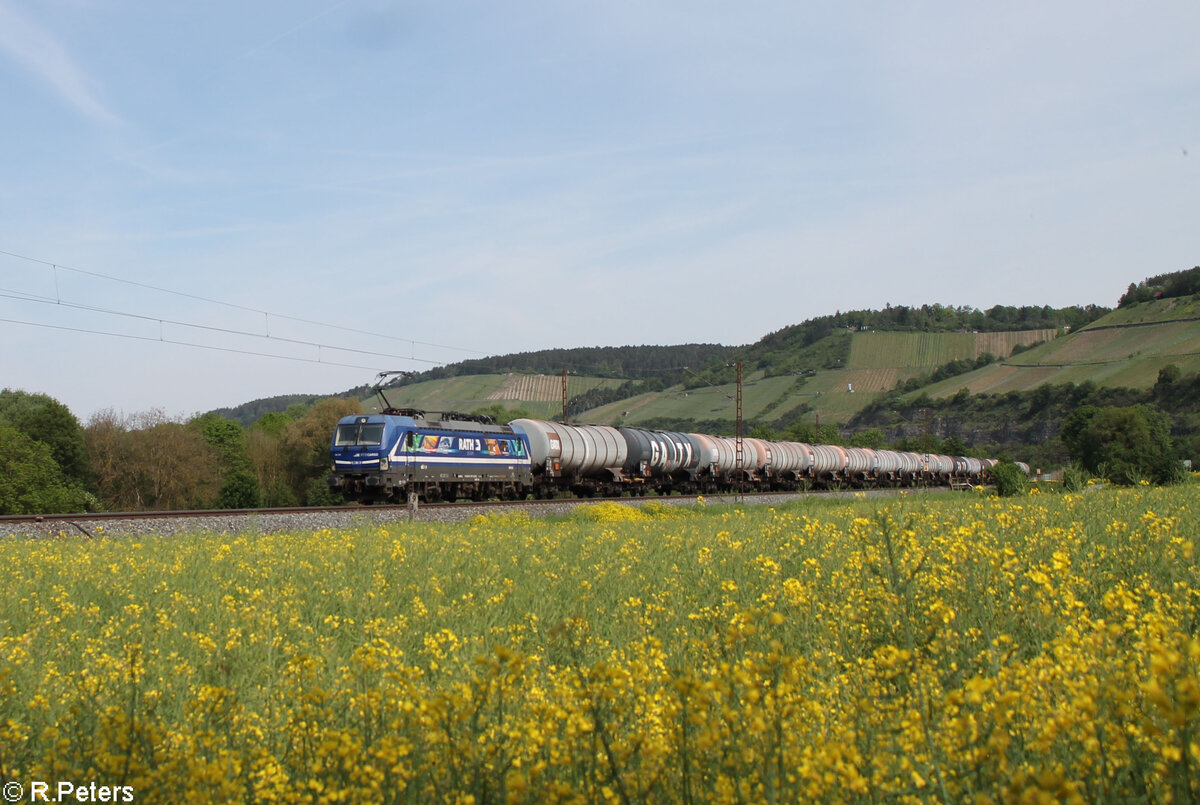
(36, 50)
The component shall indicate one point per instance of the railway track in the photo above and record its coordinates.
(101, 517)
(307, 518)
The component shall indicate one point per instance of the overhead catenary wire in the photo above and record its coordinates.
(6, 293)
(164, 340)
(55, 267)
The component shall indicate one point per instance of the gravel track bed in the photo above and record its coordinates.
(354, 517)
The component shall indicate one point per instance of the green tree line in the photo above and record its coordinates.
(937, 318)
(50, 462)
(1163, 286)
(631, 362)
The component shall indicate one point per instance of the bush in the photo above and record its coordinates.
(1075, 479)
(1126, 445)
(1009, 478)
(240, 491)
(318, 493)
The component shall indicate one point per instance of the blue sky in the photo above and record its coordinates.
(356, 186)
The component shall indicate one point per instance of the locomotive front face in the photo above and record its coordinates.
(363, 464)
(359, 444)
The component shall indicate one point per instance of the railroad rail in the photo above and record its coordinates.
(170, 514)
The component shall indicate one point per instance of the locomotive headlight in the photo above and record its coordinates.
(383, 463)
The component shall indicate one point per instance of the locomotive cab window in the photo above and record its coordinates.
(359, 433)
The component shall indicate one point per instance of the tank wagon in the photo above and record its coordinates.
(400, 453)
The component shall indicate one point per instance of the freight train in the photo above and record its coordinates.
(405, 454)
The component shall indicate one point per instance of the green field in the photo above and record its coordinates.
(759, 394)
(833, 396)
(1001, 379)
(1097, 346)
(1159, 310)
(542, 393)
(1126, 348)
(908, 350)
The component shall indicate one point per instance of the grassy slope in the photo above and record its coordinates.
(930, 350)
(539, 394)
(709, 402)
(1126, 348)
(1160, 310)
(880, 360)
(877, 362)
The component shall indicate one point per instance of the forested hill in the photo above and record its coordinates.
(821, 343)
(824, 342)
(937, 318)
(776, 352)
(631, 362)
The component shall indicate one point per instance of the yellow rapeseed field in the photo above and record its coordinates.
(913, 649)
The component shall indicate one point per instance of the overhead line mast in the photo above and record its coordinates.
(564, 395)
(739, 446)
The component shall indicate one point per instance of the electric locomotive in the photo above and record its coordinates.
(399, 453)
(404, 453)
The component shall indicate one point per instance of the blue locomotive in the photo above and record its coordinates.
(402, 452)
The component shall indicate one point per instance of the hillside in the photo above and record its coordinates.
(539, 395)
(1126, 348)
(933, 371)
(1143, 353)
(874, 363)
(871, 364)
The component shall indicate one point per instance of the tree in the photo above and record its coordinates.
(1164, 286)
(179, 470)
(1009, 479)
(264, 448)
(1123, 444)
(872, 438)
(1168, 389)
(813, 434)
(953, 446)
(228, 439)
(1041, 397)
(44, 419)
(110, 451)
(240, 491)
(1076, 438)
(1167, 376)
(305, 447)
(146, 461)
(503, 414)
(272, 422)
(31, 482)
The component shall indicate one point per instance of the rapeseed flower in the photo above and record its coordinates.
(966, 649)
